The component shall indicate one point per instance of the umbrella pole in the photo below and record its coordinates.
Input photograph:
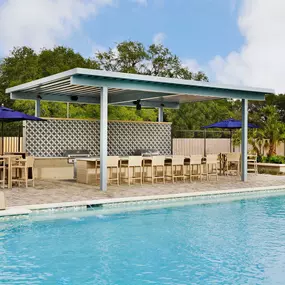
(2, 138)
(231, 140)
(19, 138)
(205, 143)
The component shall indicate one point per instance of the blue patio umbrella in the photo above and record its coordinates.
(8, 115)
(230, 124)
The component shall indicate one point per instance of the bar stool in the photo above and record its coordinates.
(211, 166)
(176, 168)
(113, 164)
(134, 163)
(195, 160)
(156, 165)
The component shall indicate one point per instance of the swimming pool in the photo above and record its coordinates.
(236, 242)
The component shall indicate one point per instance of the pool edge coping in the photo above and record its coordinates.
(28, 209)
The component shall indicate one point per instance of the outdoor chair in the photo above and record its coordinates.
(134, 164)
(195, 167)
(156, 166)
(176, 165)
(113, 164)
(252, 163)
(232, 163)
(211, 166)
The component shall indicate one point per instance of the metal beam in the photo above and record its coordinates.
(133, 95)
(103, 137)
(55, 98)
(244, 140)
(170, 88)
(127, 77)
(150, 104)
(88, 100)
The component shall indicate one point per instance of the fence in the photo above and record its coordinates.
(196, 146)
(12, 144)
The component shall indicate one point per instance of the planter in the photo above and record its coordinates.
(270, 168)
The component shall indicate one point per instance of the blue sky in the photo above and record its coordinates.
(238, 42)
(197, 29)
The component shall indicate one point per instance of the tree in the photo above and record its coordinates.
(271, 128)
(193, 116)
(59, 59)
(24, 65)
(20, 67)
(258, 142)
(155, 60)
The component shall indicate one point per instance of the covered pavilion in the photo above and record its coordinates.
(89, 86)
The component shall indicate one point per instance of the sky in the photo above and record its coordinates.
(238, 42)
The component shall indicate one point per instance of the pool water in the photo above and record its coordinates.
(239, 242)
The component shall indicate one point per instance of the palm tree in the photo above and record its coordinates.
(271, 130)
(257, 141)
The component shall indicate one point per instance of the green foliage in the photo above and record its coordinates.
(278, 159)
(127, 57)
(156, 60)
(24, 65)
(193, 116)
(61, 59)
(258, 141)
(271, 128)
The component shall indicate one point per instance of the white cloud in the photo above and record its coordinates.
(192, 64)
(141, 2)
(260, 61)
(159, 38)
(97, 48)
(42, 23)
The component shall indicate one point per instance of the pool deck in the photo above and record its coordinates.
(60, 191)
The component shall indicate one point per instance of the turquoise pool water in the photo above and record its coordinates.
(239, 242)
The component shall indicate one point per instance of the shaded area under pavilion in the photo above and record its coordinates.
(88, 86)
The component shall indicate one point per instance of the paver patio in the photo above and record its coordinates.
(55, 191)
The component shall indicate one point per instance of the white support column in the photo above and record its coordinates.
(103, 137)
(244, 140)
(160, 114)
(38, 107)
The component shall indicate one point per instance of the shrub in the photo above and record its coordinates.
(278, 159)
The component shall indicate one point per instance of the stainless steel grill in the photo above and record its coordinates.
(75, 153)
(147, 152)
(72, 155)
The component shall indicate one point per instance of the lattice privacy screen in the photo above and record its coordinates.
(50, 138)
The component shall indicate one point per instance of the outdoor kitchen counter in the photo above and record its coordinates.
(53, 168)
(52, 158)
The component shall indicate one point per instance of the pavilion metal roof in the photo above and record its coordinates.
(81, 85)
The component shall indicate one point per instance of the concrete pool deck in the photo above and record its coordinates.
(62, 191)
